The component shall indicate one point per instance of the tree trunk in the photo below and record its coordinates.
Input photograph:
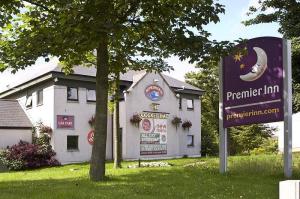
(97, 165)
(117, 130)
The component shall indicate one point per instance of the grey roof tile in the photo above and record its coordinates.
(12, 115)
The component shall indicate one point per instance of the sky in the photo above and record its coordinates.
(229, 28)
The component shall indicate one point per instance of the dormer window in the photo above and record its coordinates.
(28, 103)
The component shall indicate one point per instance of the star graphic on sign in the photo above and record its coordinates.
(242, 66)
(237, 57)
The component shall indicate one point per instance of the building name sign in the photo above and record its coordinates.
(154, 115)
(253, 83)
(65, 121)
(154, 92)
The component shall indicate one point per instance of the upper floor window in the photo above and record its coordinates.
(72, 93)
(28, 102)
(39, 97)
(90, 95)
(190, 104)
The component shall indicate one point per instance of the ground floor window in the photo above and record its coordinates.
(72, 142)
(190, 140)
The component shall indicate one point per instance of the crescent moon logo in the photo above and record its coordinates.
(259, 68)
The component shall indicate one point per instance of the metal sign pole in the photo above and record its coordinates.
(287, 97)
(222, 130)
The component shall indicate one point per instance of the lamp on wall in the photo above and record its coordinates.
(155, 81)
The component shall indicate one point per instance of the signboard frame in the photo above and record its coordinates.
(287, 111)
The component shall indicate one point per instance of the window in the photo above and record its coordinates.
(28, 102)
(39, 97)
(72, 142)
(90, 95)
(190, 104)
(180, 103)
(72, 94)
(190, 140)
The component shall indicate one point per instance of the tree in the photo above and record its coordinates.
(241, 139)
(116, 124)
(137, 34)
(286, 13)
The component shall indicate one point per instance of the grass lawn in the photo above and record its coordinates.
(251, 177)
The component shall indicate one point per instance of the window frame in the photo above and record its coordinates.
(193, 141)
(74, 100)
(180, 103)
(70, 148)
(87, 96)
(187, 106)
(40, 100)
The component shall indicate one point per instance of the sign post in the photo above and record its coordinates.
(222, 130)
(256, 87)
(287, 74)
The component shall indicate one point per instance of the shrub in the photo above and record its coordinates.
(28, 156)
(269, 146)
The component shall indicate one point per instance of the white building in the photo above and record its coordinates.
(66, 103)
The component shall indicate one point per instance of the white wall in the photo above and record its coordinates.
(82, 112)
(137, 102)
(10, 137)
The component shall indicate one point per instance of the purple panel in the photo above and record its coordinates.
(253, 83)
(65, 121)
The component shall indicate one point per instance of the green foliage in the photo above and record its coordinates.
(140, 33)
(286, 13)
(243, 139)
(269, 146)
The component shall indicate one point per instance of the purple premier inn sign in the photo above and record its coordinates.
(253, 83)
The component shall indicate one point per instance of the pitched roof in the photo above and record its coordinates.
(12, 115)
(33, 72)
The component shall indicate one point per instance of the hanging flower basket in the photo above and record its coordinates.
(135, 119)
(92, 122)
(176, 121)
(186, 125)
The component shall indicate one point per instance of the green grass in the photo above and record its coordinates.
(252, 177)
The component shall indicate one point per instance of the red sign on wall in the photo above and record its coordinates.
(65, 121)
(90, 137)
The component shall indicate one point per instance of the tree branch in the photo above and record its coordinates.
(41, 6)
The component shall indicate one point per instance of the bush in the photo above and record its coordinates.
(269, 146)
(28, 156)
